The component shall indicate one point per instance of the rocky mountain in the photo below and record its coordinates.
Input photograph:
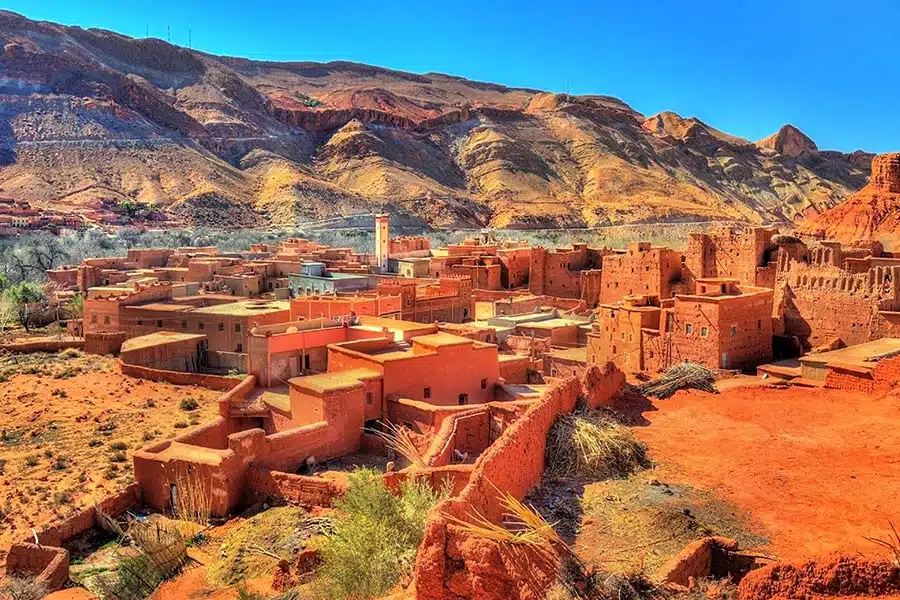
(871, 213)
(91, 119)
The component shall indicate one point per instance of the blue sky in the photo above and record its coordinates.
(743, 66)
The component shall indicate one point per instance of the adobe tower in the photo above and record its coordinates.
(382, 237)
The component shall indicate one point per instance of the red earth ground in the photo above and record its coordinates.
(817, 469)
(68, 432)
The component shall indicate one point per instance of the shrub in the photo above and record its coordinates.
(189, 404)
(61, 463)
(147, 436)
(111, 472)
(31, 460)
(48, 453)
(14, 588)
(150, 403)
(181, 424)
(94, 443)
(62, 497)
(117, 457)
(118, 446)
(375, 536)
(70, 353)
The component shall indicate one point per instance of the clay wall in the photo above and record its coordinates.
(47, 345)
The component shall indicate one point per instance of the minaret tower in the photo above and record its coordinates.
(382, 241)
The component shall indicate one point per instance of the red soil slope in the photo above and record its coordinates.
(873, 212)
(816, 469)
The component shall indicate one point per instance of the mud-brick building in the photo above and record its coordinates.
(723, 326)
(441, 368)
(567, 272)
(643, 270)
(424, 301)
(748, 256)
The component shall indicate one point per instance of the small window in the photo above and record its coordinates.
(484, 384)
(237, 327)
(689, 329)
(370, 398)
(704, 332)
(463, 399)
(140, 321)
(93, 317)
(200, 325)
(426, 393)
(239, 348)
(159, 322)
(733, 331)
(759, 323)
(650, 354)
(184, 324)
(106, 319)
(221, 326)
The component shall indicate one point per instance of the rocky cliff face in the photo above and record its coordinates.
(91, 118)
(871, 213)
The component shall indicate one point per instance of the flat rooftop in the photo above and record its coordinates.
(246, 308)
(552, 324)
(571, 354)
(329, 382)
(160, 338)
(437, 340)
(861, 355)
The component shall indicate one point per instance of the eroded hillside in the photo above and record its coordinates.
(90, 119)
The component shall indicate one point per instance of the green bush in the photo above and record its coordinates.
(375, 536)
(189, 404)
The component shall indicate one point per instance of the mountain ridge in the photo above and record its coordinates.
(90, 119)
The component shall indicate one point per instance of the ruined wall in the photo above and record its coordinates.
(265, 483)
(808, 296)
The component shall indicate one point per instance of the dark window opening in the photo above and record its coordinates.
(484, 384)
(426, 393)
(370, 398)
(221, 326)
(463, 399)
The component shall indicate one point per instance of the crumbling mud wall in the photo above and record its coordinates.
(884, 376)
(452, 564)
(28, 347)
(842, 576)
(48, 566)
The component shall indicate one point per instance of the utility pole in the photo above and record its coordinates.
(169, 33)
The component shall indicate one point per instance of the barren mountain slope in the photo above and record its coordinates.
(90, 118)
(871, 213)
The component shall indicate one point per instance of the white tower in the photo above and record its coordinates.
(382, 239)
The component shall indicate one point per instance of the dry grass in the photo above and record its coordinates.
(685, 375)
(892, 543)
(193, 499)
(400, 441)
(592, 445)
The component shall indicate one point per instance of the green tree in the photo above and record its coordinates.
(23, 296)
(76, 305)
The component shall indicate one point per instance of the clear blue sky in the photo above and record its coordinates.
(743, 66)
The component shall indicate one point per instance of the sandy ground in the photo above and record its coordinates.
(68, 434)
(816, 469)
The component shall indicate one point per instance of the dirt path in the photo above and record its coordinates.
(818, 469)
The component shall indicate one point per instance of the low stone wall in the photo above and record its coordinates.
(213, 382)
(48, 566)
(841, 576)
(47, 345)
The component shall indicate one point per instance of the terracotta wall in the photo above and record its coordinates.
(295, 489)
(41, 346)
